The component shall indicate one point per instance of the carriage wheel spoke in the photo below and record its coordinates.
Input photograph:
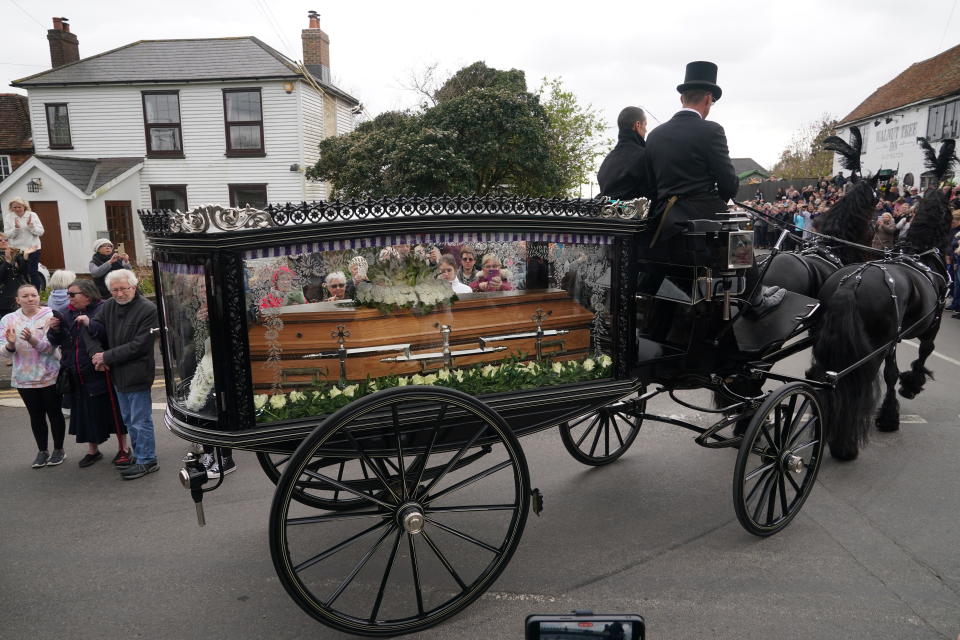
(802, 430)
(805, 445)
(429, 450)
(777, 428)
(467, 481)
(416, 573)
(788, 415)
(798, 415)
(402, 470)
(338, 547)
(443, 560)
(782, 490)
(336, 492)
(453, 461)
(349, 515)
(463, 536)
(473, 507)
(761, 482)
(383, 582)
(616, 430)
(586, 433)
(763, 498)
(766, 436)
(371, 464)
(759, 470)
(772, 499)
(348, 488)
(793, 483)
(601, 427)
(282, 461)
(356, 569)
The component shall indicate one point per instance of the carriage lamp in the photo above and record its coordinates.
(288, 86)
(35, 185)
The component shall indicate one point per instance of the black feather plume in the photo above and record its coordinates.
(849, 152)
(939, 163)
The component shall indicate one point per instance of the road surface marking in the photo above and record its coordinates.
(910, 418)
(936, 353)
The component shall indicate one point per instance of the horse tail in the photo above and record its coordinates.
(841, 340)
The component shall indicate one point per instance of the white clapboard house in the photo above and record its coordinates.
(173, 124)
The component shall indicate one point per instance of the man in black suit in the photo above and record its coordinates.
(688, 161)
(623, 174)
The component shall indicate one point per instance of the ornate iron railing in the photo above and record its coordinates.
(205, 218)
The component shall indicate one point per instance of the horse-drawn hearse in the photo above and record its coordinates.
(390, 420)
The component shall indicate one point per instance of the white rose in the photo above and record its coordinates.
(402, 382)
(335, 392)
(350, 391)
(260, 400)
(296, 396)
(557, 367)
(488, 371)
(416, 379)
(278, 401)
(316, 394)
(443, 374)
(430, 379)
(458, 374)
(588, 365)
(373, 385)
(605, 361)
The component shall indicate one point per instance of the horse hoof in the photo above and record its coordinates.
(843, 455)
(907, 393)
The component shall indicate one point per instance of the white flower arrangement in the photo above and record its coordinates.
(408, 282)
(202, 384)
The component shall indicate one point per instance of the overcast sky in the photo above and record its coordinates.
(782, 64)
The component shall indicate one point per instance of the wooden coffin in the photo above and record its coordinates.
(311, 351)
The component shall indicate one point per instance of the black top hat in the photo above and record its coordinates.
(701, 75)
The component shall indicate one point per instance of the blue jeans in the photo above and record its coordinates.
(137, 410)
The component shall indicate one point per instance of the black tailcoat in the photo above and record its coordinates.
(623, 174)
(688, 157)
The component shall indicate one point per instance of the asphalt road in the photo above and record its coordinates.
(873, 553)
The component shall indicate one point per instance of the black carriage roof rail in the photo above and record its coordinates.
(162, 222)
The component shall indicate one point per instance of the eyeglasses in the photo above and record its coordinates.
(337, 286)
(119, 289)
(74, 293)
(467, 258)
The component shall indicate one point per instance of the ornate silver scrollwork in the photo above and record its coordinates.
(638, 208)
(222, 218)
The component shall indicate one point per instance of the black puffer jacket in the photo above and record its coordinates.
(124, 332)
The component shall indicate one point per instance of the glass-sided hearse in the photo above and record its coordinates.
(386, 403)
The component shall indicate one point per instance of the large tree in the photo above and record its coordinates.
(484, 133)
(803, 157)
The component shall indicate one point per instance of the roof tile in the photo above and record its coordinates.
(936, 77)
(15, 134)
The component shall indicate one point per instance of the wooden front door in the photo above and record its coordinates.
(51, 243)
(120, 226)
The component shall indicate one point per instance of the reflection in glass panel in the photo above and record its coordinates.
(482, 313)
(188, 337)
(162, 108)
(244, 137)
(243, 106)
(164, 139)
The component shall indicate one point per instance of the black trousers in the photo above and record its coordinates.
(43, 405)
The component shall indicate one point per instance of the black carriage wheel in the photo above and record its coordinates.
(418, 550)
(602, 436)
(778, 459)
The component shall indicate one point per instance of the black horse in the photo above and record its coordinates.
(850, 219)
(867, 308)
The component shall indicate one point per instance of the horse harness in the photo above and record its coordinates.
(910, 261)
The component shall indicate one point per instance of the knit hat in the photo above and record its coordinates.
(100, 242)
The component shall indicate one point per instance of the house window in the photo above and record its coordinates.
(161, 120)
(58, 126)
(6, 167)
(943, 121)
(253, 194)
(169, 196)
(243, 120)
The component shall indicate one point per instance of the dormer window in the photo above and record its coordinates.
(161, 121)
(243, 121)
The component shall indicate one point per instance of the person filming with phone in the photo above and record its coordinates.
(105, 260)
(492, 276)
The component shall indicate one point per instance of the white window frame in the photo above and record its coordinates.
(6, 167)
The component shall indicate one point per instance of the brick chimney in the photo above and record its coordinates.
(64, 46)
(316, 48)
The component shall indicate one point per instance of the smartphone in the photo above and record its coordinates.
(492, 273)
(615, 626)
(120, 248)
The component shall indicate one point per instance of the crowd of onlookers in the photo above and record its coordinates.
(86, 352)
(798, 210)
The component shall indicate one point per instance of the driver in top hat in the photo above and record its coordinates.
(688, 161)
